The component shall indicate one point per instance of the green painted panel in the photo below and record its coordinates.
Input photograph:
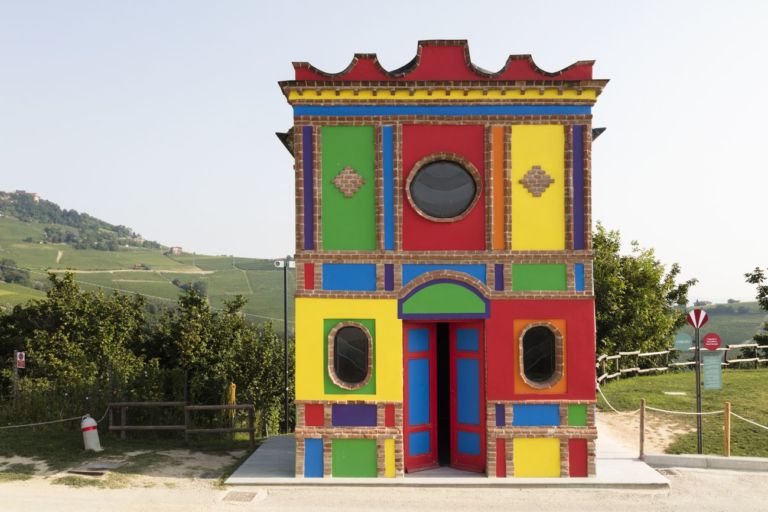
(348, 223)
(353, 457)
(329, 386)
(577, 415)
(444, 298)
(535, 277)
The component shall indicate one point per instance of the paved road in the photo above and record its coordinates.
(694, 490)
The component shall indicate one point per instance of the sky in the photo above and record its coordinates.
(161, 114)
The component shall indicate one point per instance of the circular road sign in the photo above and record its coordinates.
(697, 318)
(711, 341)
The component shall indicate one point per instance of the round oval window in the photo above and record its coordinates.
(539, 356)
(350, 359)
(443, 189)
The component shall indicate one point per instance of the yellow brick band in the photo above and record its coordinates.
(437, 94)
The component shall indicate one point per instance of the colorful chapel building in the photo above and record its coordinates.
(444, 302)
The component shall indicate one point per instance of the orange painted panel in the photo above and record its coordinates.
(520, 385)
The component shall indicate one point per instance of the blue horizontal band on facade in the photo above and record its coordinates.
(413, 270)
(440, 110)
(349, 277)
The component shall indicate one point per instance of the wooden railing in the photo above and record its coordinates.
(610, 367)
(187, 427)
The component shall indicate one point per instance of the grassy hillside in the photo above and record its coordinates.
(745, 389)
(224, 276)
(733, 326)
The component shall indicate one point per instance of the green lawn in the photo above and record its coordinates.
(745, 389)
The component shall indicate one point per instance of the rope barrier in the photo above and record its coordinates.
(683, 413)
(611, 406)
(40, 423)
(742, 418)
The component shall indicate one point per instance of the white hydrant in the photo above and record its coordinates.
(90, 433)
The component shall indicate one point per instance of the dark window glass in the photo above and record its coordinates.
(443, 189)
(539, 354)
(350, 355)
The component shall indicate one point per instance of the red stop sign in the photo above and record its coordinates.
(711, 341)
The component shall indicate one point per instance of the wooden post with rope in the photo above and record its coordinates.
(642, 429)
(727, 430)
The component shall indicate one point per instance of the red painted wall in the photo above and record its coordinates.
(579, 340)
(468, 142)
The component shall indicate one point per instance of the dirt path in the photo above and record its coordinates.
(59, 255)
(660, 432)
(121, 270)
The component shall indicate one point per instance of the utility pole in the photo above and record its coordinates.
(285, 337)
(285, 264)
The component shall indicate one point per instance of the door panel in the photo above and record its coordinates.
(467, 396)
(420, 432)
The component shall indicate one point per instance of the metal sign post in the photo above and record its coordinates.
(697, 318)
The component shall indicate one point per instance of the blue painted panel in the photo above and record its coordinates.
(418, 392)
(418, 340)
(469, 443)
(412, 271)
(468, 340)
(388, 174)
(441, 110)
(468, 391)
(578, 273)
(313, 458)
(349, 276)
(536, 415)
(418, 443)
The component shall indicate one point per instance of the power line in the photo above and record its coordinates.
(74, 272)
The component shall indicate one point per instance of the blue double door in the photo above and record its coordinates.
(444, 412)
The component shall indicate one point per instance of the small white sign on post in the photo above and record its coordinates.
(21, 360)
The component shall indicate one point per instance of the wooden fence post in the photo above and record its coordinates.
(727, 430)
(642, 429)
(186, 425)
(123, 412)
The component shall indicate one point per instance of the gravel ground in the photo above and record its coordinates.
(691, 490)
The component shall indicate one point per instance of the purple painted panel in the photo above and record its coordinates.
(498, 277)
(353, 415)
(307, 143)
(500, 419)
(578, 187)
(389, 277)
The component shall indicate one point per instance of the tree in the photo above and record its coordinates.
(10, 273)
(639, 304)
(79, 347)
(758, 278)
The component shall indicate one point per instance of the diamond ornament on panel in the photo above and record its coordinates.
(348, 181)
(536, 181)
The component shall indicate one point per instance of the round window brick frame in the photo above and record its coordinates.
(450, 157)
(557, 376)
(331, 352)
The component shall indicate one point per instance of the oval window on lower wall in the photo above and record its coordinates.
(350, 355)
(541, 349)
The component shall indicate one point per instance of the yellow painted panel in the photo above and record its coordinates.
(536, 457)
(521, 387)
(588, 96)
(538, 223)
(310, 369)
(389, 458)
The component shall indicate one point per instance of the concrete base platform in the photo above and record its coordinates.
(273, 464)
(708, 462)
